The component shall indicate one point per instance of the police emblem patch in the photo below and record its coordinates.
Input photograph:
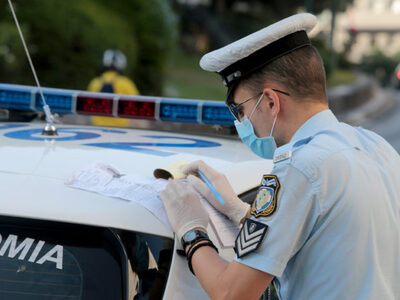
(266, 200)
(250, 237)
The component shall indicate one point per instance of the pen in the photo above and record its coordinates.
(210, 186)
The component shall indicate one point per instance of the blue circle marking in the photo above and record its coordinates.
(77, 134)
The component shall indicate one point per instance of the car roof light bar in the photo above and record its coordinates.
(95, 104)
(16, 97)
(59, 101)
(137, 107)
(20, 97)
(179, 110)
(212, 113)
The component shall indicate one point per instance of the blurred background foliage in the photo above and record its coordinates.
(162, 39)
(67, 40)
(206, 27)
(379, 65)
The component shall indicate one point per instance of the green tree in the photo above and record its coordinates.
(379, 65)
(67, 39)
(155, 27)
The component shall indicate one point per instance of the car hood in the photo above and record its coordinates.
(34, 169)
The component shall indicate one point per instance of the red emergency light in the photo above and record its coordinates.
(398, 74)
(134, 108)
(94, 105)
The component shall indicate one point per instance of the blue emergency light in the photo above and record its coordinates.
(178, 110)
(16, 97)
(216, 113)
(59, 101)
(27, 98)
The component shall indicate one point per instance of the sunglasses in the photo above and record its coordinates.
(234, 108)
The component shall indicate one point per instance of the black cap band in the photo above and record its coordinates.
(232, 74)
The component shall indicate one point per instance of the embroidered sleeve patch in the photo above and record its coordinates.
(266, 200)
(250, 237)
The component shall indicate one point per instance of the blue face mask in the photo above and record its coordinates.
(263, 147)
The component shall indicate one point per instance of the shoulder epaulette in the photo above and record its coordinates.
(285, 152)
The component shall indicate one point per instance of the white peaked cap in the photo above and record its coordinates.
(252, 52)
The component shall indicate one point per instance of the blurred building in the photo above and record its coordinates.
(365, 26)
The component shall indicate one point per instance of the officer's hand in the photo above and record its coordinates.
(234, 208)
(184, 210)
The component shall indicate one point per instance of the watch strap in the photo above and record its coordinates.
(197, 235)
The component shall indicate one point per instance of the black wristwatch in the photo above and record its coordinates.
(193, 236)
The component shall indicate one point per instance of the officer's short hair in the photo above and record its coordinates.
(300, 73)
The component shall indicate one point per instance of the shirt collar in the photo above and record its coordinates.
(321, 120)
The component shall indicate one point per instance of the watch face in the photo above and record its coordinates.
(192, 236)
(189, 236)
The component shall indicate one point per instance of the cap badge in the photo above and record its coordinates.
(237, 74)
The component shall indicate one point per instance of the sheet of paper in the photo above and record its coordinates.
(225, 230)
(105, 179)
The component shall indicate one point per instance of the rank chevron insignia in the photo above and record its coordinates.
(250, 237)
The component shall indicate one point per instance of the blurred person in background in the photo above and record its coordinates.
(112, 81)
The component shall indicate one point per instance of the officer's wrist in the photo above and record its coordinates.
(196, 228)
(200, 228)
(192, 245)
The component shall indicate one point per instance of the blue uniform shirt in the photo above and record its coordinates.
(335, 233)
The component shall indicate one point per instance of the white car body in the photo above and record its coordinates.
(34, 169)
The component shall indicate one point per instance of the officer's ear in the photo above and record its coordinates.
(272, 101)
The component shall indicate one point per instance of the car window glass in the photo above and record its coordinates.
(38, 261)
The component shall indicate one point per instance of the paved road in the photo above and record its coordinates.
(388, 124)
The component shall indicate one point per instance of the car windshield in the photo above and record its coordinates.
(47, 260)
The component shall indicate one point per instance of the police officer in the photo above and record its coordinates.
(326, 221)
(112, 81)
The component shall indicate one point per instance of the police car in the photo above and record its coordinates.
(58, 242)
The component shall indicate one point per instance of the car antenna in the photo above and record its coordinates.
(49, 129)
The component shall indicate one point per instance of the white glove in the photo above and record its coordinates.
(184, 210)
(234, 208)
